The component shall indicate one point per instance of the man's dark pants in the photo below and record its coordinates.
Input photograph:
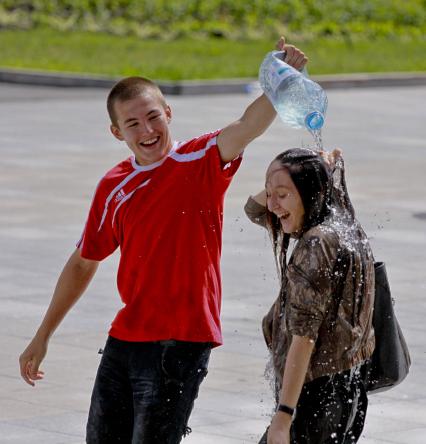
(145, 391)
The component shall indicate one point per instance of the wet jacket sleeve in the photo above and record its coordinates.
(255, 212)
(309, 286)
(267, 324)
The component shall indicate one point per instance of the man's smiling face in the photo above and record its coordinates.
(143, 123)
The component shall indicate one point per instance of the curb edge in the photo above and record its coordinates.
(198, 87)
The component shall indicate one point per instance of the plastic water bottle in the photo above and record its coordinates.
(300, 102)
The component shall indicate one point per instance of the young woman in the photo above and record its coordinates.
(319, 330)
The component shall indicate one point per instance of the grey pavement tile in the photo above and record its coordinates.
(247, 430)
(383, 427)
(365, 440)
(235, 405)
(52, 399)
(20, 411)
(206, 415)
(212, 438)
(15, 434)
(52, 429)
(413, 412)
(413, 436)
(66, 423)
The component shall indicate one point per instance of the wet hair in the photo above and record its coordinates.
(129, 88)
(312, 178)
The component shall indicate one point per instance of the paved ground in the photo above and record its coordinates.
(54, 145)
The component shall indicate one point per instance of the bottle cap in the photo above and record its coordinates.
(314, 120)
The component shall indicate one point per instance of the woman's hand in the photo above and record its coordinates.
(279, 430)
(332, 157)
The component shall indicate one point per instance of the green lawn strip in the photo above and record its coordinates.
(82, 52)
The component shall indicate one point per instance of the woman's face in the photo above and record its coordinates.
(283, 199)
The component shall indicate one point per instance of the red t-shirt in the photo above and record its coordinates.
(167, 218)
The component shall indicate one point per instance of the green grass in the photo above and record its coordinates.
(83, 52)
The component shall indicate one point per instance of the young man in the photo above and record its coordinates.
(163, 208)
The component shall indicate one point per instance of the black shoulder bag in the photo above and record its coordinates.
(391, 361)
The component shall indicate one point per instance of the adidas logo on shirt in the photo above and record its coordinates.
(120, 195)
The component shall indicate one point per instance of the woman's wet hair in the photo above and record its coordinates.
(312, 178)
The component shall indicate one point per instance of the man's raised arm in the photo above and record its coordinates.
(258, 116)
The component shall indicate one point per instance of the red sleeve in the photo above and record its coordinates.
(221, 171)
(98, 239)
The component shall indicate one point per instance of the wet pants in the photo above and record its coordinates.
(144, 391)
(330, 410)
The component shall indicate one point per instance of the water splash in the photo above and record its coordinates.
(316, 134)
(270, 376)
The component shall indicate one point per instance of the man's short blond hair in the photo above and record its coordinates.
(129, 88)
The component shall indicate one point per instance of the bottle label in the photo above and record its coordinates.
(278, 72)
